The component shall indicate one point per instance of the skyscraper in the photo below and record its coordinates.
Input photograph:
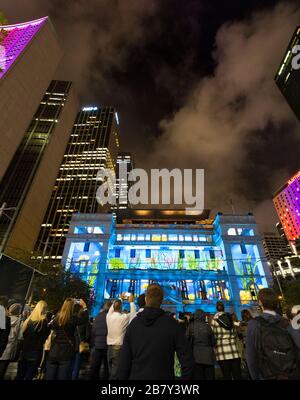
(287, 203)
(275, 247)
(27, 184)
(93, 145)
(124, 160)
(29, 55)
(288, 78)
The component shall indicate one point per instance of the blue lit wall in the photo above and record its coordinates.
(196, 266)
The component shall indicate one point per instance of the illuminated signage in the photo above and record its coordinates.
(90, 109)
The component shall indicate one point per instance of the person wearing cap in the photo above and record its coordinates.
(14, 313)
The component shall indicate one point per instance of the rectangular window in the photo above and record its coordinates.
(181, 253)
(212, 254)
(148, 253)
(117, 253)
(119, 237)
(156, 238)
(173, 238)
(243, 248)
(197, 254)
(86, 246)
(132, 253)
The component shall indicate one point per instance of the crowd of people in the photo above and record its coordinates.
(149, 343)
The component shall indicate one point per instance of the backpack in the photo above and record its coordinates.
(276, 351)
(225, 320)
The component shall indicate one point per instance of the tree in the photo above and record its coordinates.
(56, 285)
(291, 290)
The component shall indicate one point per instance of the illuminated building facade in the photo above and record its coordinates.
(287, 203)
(93, 146)
(276, 247)
(29, 179)
(124, 160)
(29, 56)
(287, 78)
(197, 260)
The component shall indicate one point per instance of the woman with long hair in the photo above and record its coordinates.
(63, 349)
(35, 332)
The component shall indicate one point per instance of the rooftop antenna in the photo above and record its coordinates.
(232, 206)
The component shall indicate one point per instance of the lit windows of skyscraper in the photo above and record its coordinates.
(287, 204)
(28, 181)
(93, 145)
(29, 56)
(288, 79)
(125, 162)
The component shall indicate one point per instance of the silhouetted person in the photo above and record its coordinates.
(151, 341)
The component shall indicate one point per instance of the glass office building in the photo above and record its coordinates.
(288, 78)
(32, 170)
(197, 260)
(93, 146)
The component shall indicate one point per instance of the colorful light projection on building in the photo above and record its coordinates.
(13, 41)
(83, 259)
(249, 271)
(175, 291)
(166, 258)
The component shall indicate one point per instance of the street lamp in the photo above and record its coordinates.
(277, 279)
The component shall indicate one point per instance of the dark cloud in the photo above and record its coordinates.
(235, 124)
(193, 83)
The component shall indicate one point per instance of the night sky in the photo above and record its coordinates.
(193, 85)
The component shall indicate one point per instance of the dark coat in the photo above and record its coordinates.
(150, 342)
(252, 338)
(99, 332)
(203, 341)
(4, 333)
(35, 336)
(64, 346)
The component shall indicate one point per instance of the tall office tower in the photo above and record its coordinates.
(124, 166)
(29, 55)
(27, 184)
(275, 247)
(287, 204)
(287, 78)
(93, 146)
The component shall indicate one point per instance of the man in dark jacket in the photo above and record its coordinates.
(99, 344)
(203, 339)
(256, 354)
(150, 342)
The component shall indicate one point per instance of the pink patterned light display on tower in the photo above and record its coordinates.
(13, 41)
(287, 204)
